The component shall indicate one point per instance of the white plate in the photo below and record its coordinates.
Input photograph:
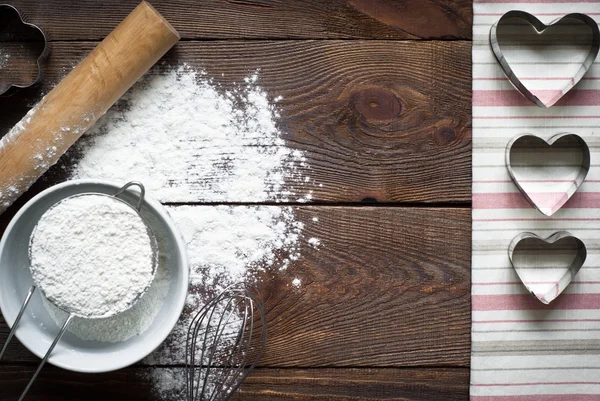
(36, 330)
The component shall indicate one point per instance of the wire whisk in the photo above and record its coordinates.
(225, 342)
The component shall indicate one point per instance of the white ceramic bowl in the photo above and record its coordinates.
(36, 330)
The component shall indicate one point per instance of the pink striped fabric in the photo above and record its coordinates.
(514, 200)
(523, 350)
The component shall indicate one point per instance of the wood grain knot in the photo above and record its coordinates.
(373, 196)
(376, 103)
(444, 136)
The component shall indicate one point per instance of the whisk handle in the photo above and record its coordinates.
(39, 369)
(16, 322)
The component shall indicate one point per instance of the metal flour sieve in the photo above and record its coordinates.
(65, 308)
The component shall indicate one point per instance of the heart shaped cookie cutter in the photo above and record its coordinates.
(534, 260)
(540, 27)
(8, 14)
(545, 179)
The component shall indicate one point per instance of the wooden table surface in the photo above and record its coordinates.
(378, 95)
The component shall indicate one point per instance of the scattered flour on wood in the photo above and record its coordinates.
(169, 383)
(189, 140)
(314, 242)
(228, 244)
(4, 59)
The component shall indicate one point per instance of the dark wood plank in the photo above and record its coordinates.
(356, 384)
(263, 384)
(220, 19)
(388, 287)
(382, 121)
(57, 384)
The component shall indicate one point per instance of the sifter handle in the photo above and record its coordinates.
(39, 369)
(16, 322)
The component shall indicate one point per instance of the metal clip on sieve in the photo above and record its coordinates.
(71, 315)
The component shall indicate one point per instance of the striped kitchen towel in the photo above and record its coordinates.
(523, 350)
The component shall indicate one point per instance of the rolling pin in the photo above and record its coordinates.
(33, 145)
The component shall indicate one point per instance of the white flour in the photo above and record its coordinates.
(91, 255)
(125, 325)
(228, 244)
(188, 140)
(4, 59)
(314, 242)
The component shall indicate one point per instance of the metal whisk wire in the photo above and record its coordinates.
(223, 344)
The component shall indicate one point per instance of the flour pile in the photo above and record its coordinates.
(92, 255)
(188, 140)
(116, 256)
(125, 325)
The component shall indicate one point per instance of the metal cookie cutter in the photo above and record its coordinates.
(540, 28)
(548, 173)
(546, 266)
(12, 26)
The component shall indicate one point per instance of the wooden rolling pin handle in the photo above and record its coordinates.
(83, 96)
